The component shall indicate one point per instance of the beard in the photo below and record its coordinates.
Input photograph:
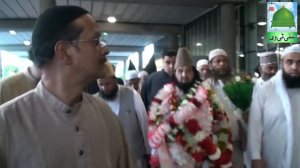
(110, 95)
(221, 73)
(185, 87)
(291, 81)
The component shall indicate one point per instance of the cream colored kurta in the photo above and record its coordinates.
(16, 85)
(37, 130)
(274, 124)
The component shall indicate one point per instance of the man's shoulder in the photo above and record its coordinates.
(18, 104)
(157, 74)
(12, 80)
(208, 83)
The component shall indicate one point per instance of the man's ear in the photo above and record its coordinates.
(61, 52)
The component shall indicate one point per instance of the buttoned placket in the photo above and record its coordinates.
(74, 116)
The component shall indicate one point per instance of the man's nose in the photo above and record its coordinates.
(104, 51)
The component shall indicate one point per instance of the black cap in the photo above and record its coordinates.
(49, 23)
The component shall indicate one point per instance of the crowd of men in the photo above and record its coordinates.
(47, 120)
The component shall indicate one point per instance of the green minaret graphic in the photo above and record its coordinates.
(283, 18)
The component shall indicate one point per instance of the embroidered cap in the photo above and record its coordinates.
(266, 58)
(183, 58)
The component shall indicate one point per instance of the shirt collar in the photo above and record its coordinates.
(51, 100)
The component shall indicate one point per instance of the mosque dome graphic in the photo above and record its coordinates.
(283, 18)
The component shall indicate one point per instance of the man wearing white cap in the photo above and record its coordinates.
(127, 104)
(132, 80)
(268, 67)
(220, 74)
(273, 138)
(203, 69)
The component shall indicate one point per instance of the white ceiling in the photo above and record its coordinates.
(140, 22)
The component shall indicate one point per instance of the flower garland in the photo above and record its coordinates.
(180, 129)
(221, 131)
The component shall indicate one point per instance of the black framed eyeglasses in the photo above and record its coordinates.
(100, 41)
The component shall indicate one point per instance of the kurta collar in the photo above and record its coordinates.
(51, 100)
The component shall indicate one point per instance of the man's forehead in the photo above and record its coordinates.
(88, 24)
(220, 57)
(292, 56)
(170, 57)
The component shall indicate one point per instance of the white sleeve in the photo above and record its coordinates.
(255, 125)
(142, 117)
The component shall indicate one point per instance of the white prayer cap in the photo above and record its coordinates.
(216, 52)
(201, 62)
(266, 58)
(142, 73)
(291, 49)
(132, 74)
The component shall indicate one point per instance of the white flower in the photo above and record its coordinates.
(216, 155)
(237, 78)
(200, 135)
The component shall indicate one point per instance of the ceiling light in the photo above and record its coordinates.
(198, 44)
(26, 42)
(12, 32)
(105, 34)
(242, 55)
(111, 19)
(262, 37)
(262, 23)
(260, 44)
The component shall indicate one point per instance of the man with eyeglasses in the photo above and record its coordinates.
(56, 124)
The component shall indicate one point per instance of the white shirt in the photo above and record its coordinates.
(140, 109)
(294, 95)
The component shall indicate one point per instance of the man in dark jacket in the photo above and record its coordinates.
(157, 80)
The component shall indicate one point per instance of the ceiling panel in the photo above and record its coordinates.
(6, 10)
(97, 9)
(109, 9)
(131, 39)
(120, 9)
(13, 4)
(150, 16)
(61, 2)
(74, 2)
(120, 54)
(8, 39)
(87, 5)
(29, 8)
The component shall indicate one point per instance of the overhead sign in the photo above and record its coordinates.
(282, 22)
